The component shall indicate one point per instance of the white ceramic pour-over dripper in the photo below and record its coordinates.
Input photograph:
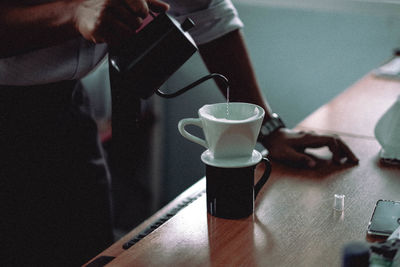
(387, 132)
(229, 133)
(229, 115)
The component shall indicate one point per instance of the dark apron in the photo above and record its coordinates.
(54, 180)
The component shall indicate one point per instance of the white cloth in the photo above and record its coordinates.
(212, 18)
(76, 58)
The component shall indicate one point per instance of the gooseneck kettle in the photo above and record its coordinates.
(140, 66)
(146, 60)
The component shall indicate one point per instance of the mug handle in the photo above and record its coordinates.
(264, 177)
(190, 121)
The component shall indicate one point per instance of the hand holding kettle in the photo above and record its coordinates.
(111, 21)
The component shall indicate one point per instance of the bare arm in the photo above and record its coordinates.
(26, 27)
(228, 55)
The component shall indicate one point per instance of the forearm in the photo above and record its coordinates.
(27, 27)
(228, 55)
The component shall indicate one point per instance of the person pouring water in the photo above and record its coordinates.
(223, 49)
(53, 173)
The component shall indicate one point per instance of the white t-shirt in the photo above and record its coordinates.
(77, 57)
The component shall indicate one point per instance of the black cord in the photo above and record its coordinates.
(194, 84)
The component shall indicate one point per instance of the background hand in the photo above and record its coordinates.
(111, 21)
(289, 147)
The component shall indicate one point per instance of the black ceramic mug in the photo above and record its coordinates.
(231, 191)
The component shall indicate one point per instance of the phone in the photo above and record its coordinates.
(385, 218)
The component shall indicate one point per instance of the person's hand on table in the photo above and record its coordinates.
(288, 146)
(110, 21)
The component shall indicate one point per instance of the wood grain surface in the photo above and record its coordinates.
(356, 110)
(294, 223)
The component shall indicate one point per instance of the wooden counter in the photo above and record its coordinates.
(294, 223)
(356, 110)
